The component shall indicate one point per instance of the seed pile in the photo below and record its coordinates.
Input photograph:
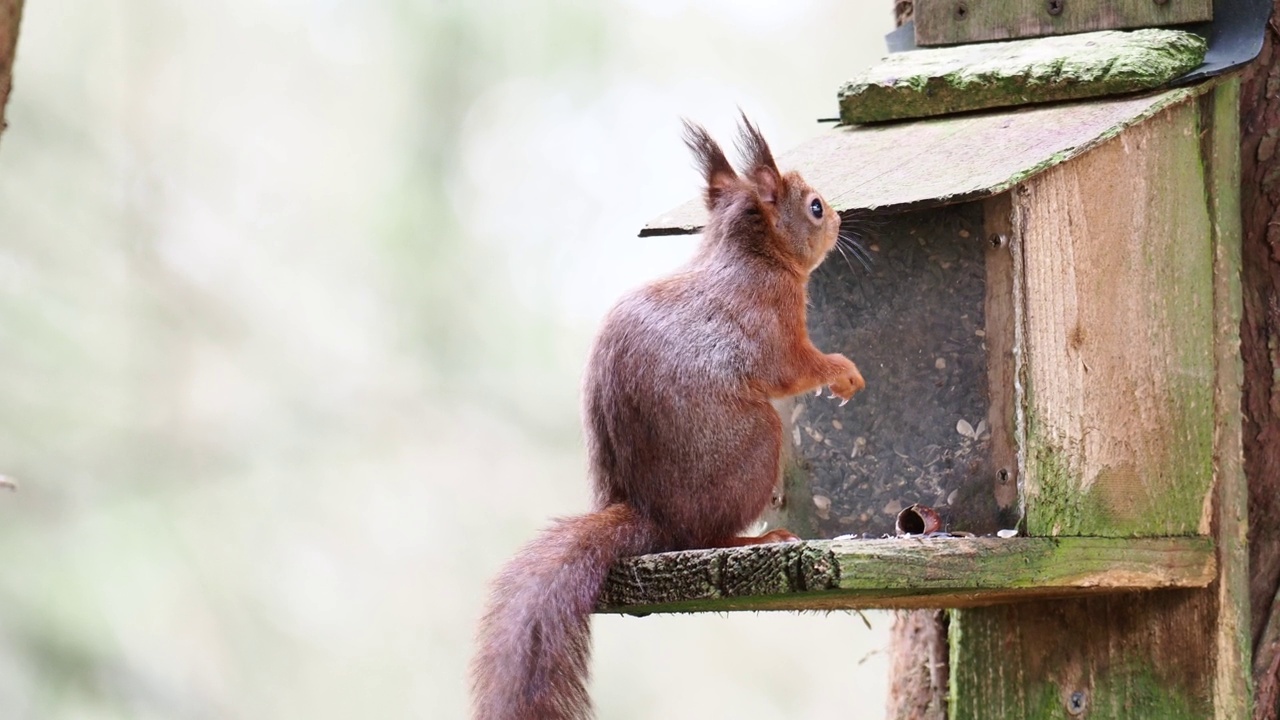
(914, 326)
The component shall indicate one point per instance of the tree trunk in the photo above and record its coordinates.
(1260, 345)
(918, 666)
(918, 638)
(10, 14)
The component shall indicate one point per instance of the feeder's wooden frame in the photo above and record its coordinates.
(948, 22)
(1113, 311)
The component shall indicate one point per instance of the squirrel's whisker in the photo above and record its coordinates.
(844, 255)
(855, 247)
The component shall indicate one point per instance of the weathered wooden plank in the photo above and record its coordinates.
(942, 81)
(947, 22)
(1220, 137)
(1131, 657)
(902, 572)
(1002, 310)
(1148, 656)
(1118, 270)
(901, 166)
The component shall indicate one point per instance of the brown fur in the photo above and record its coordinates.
(683, 442)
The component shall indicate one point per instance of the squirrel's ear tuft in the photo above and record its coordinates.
(760, 167)
(715, 168)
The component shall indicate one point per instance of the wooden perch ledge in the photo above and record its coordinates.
(902, 573)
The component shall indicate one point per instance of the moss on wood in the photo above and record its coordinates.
(1101, 657)
(1119, 345)
(1166, 193)
(901, 572)
(940, 81)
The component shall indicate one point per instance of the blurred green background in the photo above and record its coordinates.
(294, 300)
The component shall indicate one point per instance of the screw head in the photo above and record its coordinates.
(961, 11)
(1078, 702)
(997, 240)
(1055, 6)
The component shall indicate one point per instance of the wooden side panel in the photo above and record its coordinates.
(1220, 133)
(1119, 336)
(947, 22)
(1149, 656)
(1001, 315)
(1108, 658)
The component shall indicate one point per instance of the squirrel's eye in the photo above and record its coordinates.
(815, 207)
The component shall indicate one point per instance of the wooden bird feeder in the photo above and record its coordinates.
(1049, 329)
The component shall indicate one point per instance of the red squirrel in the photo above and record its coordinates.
(683, 443)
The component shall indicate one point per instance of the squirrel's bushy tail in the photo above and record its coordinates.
(535, 638)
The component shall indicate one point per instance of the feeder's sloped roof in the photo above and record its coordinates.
(910, 165)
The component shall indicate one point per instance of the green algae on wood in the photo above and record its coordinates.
(1119, 336)
(940, 81)
(1166, 193)
(1220, 130)
(901, 572)
(1118, 657)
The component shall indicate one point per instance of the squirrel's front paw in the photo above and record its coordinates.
(847, 381)
(779, 535)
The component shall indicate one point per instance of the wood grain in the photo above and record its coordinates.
(1120, 336)
(927, 163)
(919, 668)
(1220, 147)
(903, 573)
(941, 81)
(946, 22)
(1260, 347)
(1114, 658)
(1002, 312)
(1104, 227)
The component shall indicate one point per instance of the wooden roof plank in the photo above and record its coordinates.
(908, 165)
(942, 81)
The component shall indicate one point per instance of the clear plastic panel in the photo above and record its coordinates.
(913, 323)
